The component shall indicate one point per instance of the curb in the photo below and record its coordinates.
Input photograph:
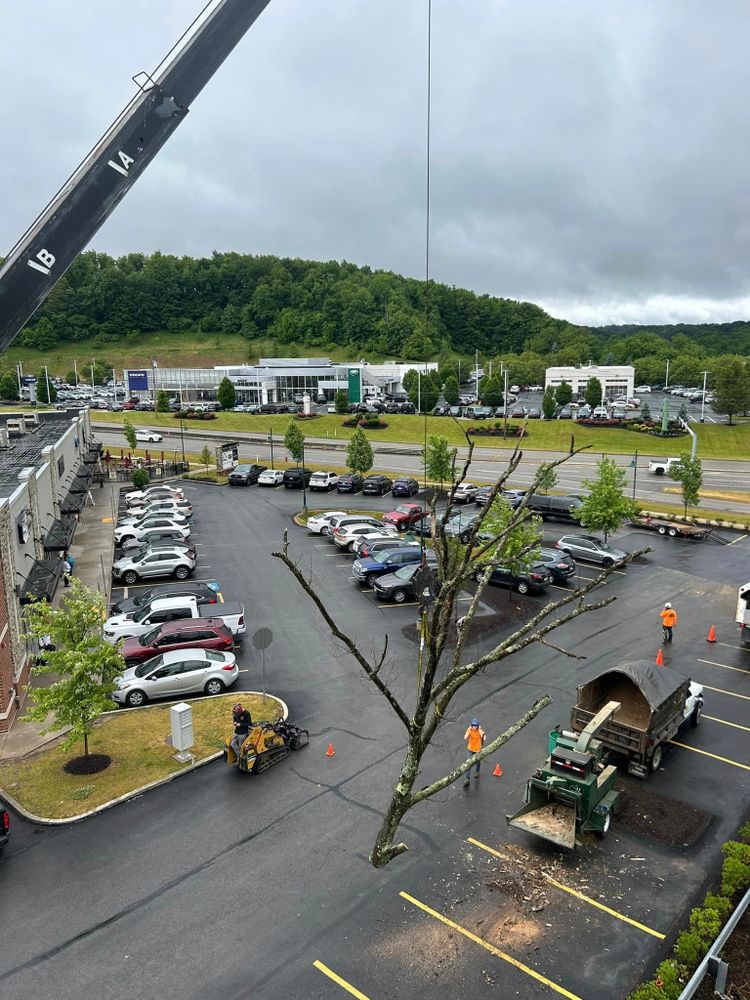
(67, 821)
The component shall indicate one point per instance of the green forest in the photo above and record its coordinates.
(327, 307)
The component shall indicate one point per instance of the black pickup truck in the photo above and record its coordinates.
(559, 508)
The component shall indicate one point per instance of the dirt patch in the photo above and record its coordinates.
(510, 615)
(737, 953)
(646, 813)
(92, 764)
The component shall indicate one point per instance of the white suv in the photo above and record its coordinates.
(323, 481)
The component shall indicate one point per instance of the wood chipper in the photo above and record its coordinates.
(266, 744)
(573, 792)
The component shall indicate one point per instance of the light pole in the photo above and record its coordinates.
(92, 374)
(304, 489)
(153, 382)
(182, 440)
(703, 397)
(270, 442)
(18, 376)
(49, 394)
(666, 378)
(75, 371)
(505, 404)
(419, 392)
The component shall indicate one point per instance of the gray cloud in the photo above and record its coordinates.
(590, 157)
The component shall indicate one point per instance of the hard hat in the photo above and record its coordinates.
(475, 722)
(667, 605)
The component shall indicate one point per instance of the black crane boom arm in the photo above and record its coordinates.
(90, 195)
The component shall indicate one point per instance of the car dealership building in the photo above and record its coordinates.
(616, 380)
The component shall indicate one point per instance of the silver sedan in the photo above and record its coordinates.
(173, 674)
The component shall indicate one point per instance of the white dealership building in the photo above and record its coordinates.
(616, 380)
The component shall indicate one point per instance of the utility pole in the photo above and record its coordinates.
(703, 397)
(49, 394)
(505, 404)
(304, 489)
(18, 376)
(635, 471)
(182, 440)
(75, 369)
(419, 392)
(92, 374)
(153, 382)
(666, 380)
(270, 442)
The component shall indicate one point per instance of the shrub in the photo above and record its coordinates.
(735, 872)
(140, 479)
(744, 832)
(192, 415)
(305, 416)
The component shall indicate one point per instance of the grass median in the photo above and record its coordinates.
(137, 743)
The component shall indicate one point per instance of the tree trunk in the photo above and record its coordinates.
(384, 849)
(85, 744)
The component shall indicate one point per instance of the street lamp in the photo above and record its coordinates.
(703, 397)
(666, 378)
(49, 395)
(304, 490)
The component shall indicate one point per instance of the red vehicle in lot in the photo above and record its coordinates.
(196, 633)
(405, 515)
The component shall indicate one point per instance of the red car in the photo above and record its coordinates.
(195, 633)
(405, 515)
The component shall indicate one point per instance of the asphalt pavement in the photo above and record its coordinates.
(220, 885)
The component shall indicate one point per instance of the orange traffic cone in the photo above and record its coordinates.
(498, 772)
(330, 751)
(711, 637)
(659, 659)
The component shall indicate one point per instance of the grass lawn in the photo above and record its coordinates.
(135, 741)
(714, 440)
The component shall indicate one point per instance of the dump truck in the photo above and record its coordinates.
(654, 703)
(573, 791)
(743, 614)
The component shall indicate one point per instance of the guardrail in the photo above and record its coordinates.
(712, 963)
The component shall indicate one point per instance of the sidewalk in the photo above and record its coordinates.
(92, 551)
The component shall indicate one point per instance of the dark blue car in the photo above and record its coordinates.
(386, 561)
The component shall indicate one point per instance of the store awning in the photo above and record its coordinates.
(91, 457)
(81, 484)
(60, 535)
(72, 503)
(41, 582)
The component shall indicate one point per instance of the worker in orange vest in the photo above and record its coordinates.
(668, 617)
(474, 737)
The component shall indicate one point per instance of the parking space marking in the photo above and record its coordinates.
(244, 670)
(729, 645)
(578, 895)
(731, 694)
(490, 947)
(338, 980)
(734, 725)
(714, 756)
(735, 540)
(725, 666)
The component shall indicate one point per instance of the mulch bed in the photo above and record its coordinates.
(737, 953)
(511, 615)
(648, 814)
(92, 764)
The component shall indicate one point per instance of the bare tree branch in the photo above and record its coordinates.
(559, 649)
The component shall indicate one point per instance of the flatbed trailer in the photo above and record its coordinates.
(665, 526)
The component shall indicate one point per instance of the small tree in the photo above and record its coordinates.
(427, 394)
(71, 377)
(341, 401)
(492, 393)
(140, 479)
(41, 389)
(731, 387)
(682, 413)
(563, 394)
(129, 432)
(521, 537)
(688, 472)
(226, 394)
(359, 453)
(451, 391)
(294, 441)
(162, 401)
(85, 664)
(645, 411)
(206, 457)
(9, 386)
(606, 505)
(547, 477)
(438, 460)
(549, 403)
(593, 394)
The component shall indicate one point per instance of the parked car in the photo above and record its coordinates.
(584, 412)
(144, 434)
(518, 413)
(388, 561)
(179, 504)
(478, 412)
(599, 413)
(195, 633)
(204, 593)
(141, 530)
(137, 498)
(590, 548)
(460, 525)
(566, 412)
(157, 538)
(642, 389)
(560, 566)
(4, 825)
(442, 410)
(366, 545)
(295, 479)
(320, 524)
(377, 484)
(350, 482)
(407, 408)
(347, 534)
(399, 586)
(159, 562)
(456, 411)
(139, 515)
(515, 388)
(323, 481)
(405, 486)
(525, 581)
(534, 414)
(404, 515)
(557, 508)
(172, 609)
(465, 492)
(271, 477)
(245, 475)
(536, 388)
(184, 671)
(341, 520)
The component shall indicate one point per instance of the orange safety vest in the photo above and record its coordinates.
(668, 617)
(474, 738)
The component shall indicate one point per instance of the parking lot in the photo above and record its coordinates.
(261, 886)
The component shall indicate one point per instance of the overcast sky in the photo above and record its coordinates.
(591, 157)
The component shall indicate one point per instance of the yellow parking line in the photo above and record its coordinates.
(580, 895)
(731, 694)
(337, 979)
(724, 760)
(107, 520)
(713, 663)
(489, 947)
(734, 542)
(734, 725)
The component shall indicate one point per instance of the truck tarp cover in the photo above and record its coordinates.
(656, 684)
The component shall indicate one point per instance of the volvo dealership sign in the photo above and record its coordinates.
(138, 380)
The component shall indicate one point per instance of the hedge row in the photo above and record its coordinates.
(192, 415)
(513, 430)
(705, 923)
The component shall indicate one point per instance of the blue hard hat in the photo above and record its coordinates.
(475, 722)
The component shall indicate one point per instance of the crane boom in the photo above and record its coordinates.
(87, 199)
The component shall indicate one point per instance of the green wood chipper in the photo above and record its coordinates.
(573, 791)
